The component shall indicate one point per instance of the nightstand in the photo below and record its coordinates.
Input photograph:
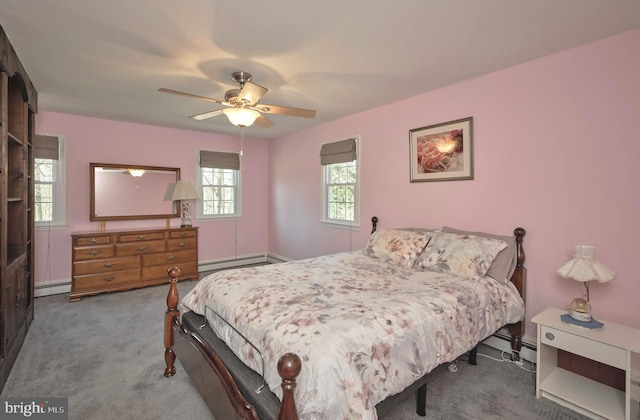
(614, 345)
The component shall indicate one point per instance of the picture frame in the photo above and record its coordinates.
(442, 152)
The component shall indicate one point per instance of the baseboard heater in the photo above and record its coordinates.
(501, 340)
(245, 261)
(51, 289)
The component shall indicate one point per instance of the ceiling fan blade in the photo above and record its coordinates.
(263, 122)
(191, 95)
(206, 115)
(252, 93)
(285, 110)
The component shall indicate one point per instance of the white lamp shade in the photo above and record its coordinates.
(241, 117)
(584, 267)
(181, 190)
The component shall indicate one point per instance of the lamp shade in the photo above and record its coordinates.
(169, 193)
(181, 190)
(584, 267)
(241, 117)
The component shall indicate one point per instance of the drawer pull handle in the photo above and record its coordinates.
(171, 257)
(550, 336)
(94, 252)
(141, 248)
(93, 240)
(182, 244)
(142, 237)
(183, 234)
(108, 265)
(108, 278)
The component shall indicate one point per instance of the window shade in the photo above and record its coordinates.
(219, 160)
(338, 152)
(46, 147)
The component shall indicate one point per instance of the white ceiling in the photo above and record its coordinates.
(108, 58)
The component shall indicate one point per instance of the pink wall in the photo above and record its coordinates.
(106, 141)
(555, 151)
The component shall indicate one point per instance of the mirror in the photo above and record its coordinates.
(128, 192)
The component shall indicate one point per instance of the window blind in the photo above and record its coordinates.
(46, 147)
(219, 160)
(338, 152)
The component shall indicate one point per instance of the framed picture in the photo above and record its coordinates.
(442, 152)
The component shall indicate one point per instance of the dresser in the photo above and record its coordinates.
(124, 260)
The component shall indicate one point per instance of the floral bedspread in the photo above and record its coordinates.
(364, 329)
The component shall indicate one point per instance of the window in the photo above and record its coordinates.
(340, 180)
(49, 180)
(218, 184)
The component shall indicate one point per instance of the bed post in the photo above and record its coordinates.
(289, 367)
(374, 224)
(171, 314)
(519, 279)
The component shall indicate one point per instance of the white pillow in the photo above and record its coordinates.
(505, 263)
(401, 247)
(464, 256)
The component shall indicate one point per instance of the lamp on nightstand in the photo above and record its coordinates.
(584, 267)
(182, 191)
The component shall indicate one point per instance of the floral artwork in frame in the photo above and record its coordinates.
(442, 152)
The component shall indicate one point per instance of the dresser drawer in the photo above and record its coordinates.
(170, 259)
(186, 233)
(92, 240)
(142, 236)
(93, 252)
(105, 266)
(140, 248)
(589, 348)
(187, 270)
(105, 280)
(178, 244)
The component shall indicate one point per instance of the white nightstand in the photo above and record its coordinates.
(614, 345)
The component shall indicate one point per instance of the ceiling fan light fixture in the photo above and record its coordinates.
(137, 173)
(241, 117)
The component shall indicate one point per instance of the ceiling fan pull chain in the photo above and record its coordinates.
(242, 148)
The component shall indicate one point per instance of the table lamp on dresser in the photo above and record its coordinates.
(583, 267)
(182, 191)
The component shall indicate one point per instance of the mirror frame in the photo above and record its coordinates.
(92, 210)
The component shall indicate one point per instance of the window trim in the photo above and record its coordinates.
(344, 224)
(200, 216)
(60, 189)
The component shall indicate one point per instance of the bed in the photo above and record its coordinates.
(347, 334)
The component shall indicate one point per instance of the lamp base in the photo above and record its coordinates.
(186, 222)
(580, 316)
(580, 310)
(593, 324)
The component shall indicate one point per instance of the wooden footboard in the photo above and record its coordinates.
(211, 376)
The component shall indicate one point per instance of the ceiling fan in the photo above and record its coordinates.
(243, 106)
